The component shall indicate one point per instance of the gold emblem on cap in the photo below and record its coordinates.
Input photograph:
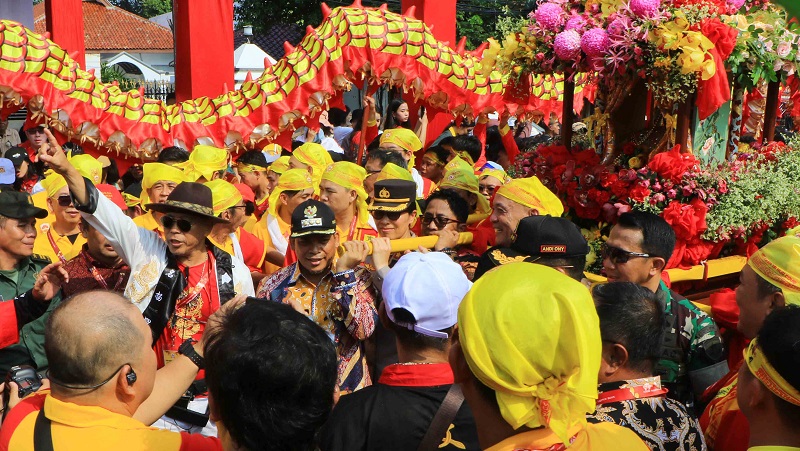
(384, 194)
(504, 259)
(310, 211)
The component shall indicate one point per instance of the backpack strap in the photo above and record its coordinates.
(42, 433)
(442, 420)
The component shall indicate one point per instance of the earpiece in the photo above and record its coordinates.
(131, 377)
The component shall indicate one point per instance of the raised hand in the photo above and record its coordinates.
(49, 282)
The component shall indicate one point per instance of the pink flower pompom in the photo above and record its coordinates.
(645, 8)
(595, 42)
(550, 16)
(576, 23)
(567, 45)
(618, 27)
(735, 5)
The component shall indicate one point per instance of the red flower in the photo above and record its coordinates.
(629, 148)
(688, 220)
(673, 164)
(608, 180)
(587, 157)
(639, 193)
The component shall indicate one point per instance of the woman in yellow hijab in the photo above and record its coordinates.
(527, 353)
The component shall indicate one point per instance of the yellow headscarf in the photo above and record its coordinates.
(350, 176)
(465, 179)
(89, 167)
(393, 171)
(456, 163)
(499, 174)
(224, 195)
(315, 156)
(53, 184)
(531, 193)
(131, 200)
(291, 180)
(404, 138)
(204, 161)
(779, 264)
(153, 173)
(541, 356)
(280, 165)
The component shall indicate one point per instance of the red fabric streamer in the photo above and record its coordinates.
(714, 92)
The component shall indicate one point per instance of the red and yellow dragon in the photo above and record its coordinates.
(350, 44)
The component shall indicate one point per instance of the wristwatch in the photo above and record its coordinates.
(186, 348)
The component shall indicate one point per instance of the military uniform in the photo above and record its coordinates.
(30, 349)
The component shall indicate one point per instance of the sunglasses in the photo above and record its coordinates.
(620, 256)
(183, 224)
(440, 221)
(64, 201)
(392, 215)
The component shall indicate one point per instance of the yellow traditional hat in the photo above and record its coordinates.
(779, 264)
(499, 174)
(89, 167)
(53, 183)
(403, 138)
(316, 157)
(291, 180)
(393, 171)
(465, 179)
(204, 161)
(153, 173)
(350, 176)
(531, 193)
(542, 356)
(224, 195)
(456, 163)
(131, 200)
(280, 165)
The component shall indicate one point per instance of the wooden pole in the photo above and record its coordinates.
(771, 111)
(566, 113)
(684, 124)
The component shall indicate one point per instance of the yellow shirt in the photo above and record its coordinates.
(260, 231)
(43, 246)
(147, 221)
(601, 436)
(77, 427)
(252, 259)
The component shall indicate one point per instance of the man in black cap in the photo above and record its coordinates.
(546, 240)
(176, 284)
(340, 298)
(27, 176)
(20, 272)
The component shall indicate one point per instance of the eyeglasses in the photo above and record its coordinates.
(183, 224)
(64, 200)
(488, 189)
(392, 215)
(620, 256)
(440, 221)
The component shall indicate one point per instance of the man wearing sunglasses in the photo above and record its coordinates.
(445, 216)
(59, 236)
(176, 283)
(338, 297)
(693, 355)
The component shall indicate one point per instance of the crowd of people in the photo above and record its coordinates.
(417, 298)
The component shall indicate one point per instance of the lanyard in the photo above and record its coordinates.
(626, 394)
(96, 275)
(55, 247)
(191, 293)
(353, 224)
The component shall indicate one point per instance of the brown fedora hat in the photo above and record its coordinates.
(189, 198)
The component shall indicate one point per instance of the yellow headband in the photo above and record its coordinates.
(531, 193)
(156, 172)
(779, 264)
(280, 165)
(542, 356)
(291, 180)
(245, 167)
(89, 167)
(204, 161)
(53, 183)
(403, 138)
(764, 372)
(393, 171)
(433, 156)
(499, 174)
(131, 200)
(350, 176)
(465, 179)
(224, 195)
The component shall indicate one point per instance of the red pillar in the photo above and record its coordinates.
(64, 19)
(204, 48)
(441, 16)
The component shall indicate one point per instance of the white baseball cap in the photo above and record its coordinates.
(430, 286)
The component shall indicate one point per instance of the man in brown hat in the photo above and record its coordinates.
(177, 283)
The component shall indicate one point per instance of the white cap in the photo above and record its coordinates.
(272, 152)
(7, 172)
(430, 286)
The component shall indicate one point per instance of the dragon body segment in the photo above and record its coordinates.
(351, 43)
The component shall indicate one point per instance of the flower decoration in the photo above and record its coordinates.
(550, 16)
(645, 8)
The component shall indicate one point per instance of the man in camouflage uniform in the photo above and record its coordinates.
(693, 355)
(19, 267)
